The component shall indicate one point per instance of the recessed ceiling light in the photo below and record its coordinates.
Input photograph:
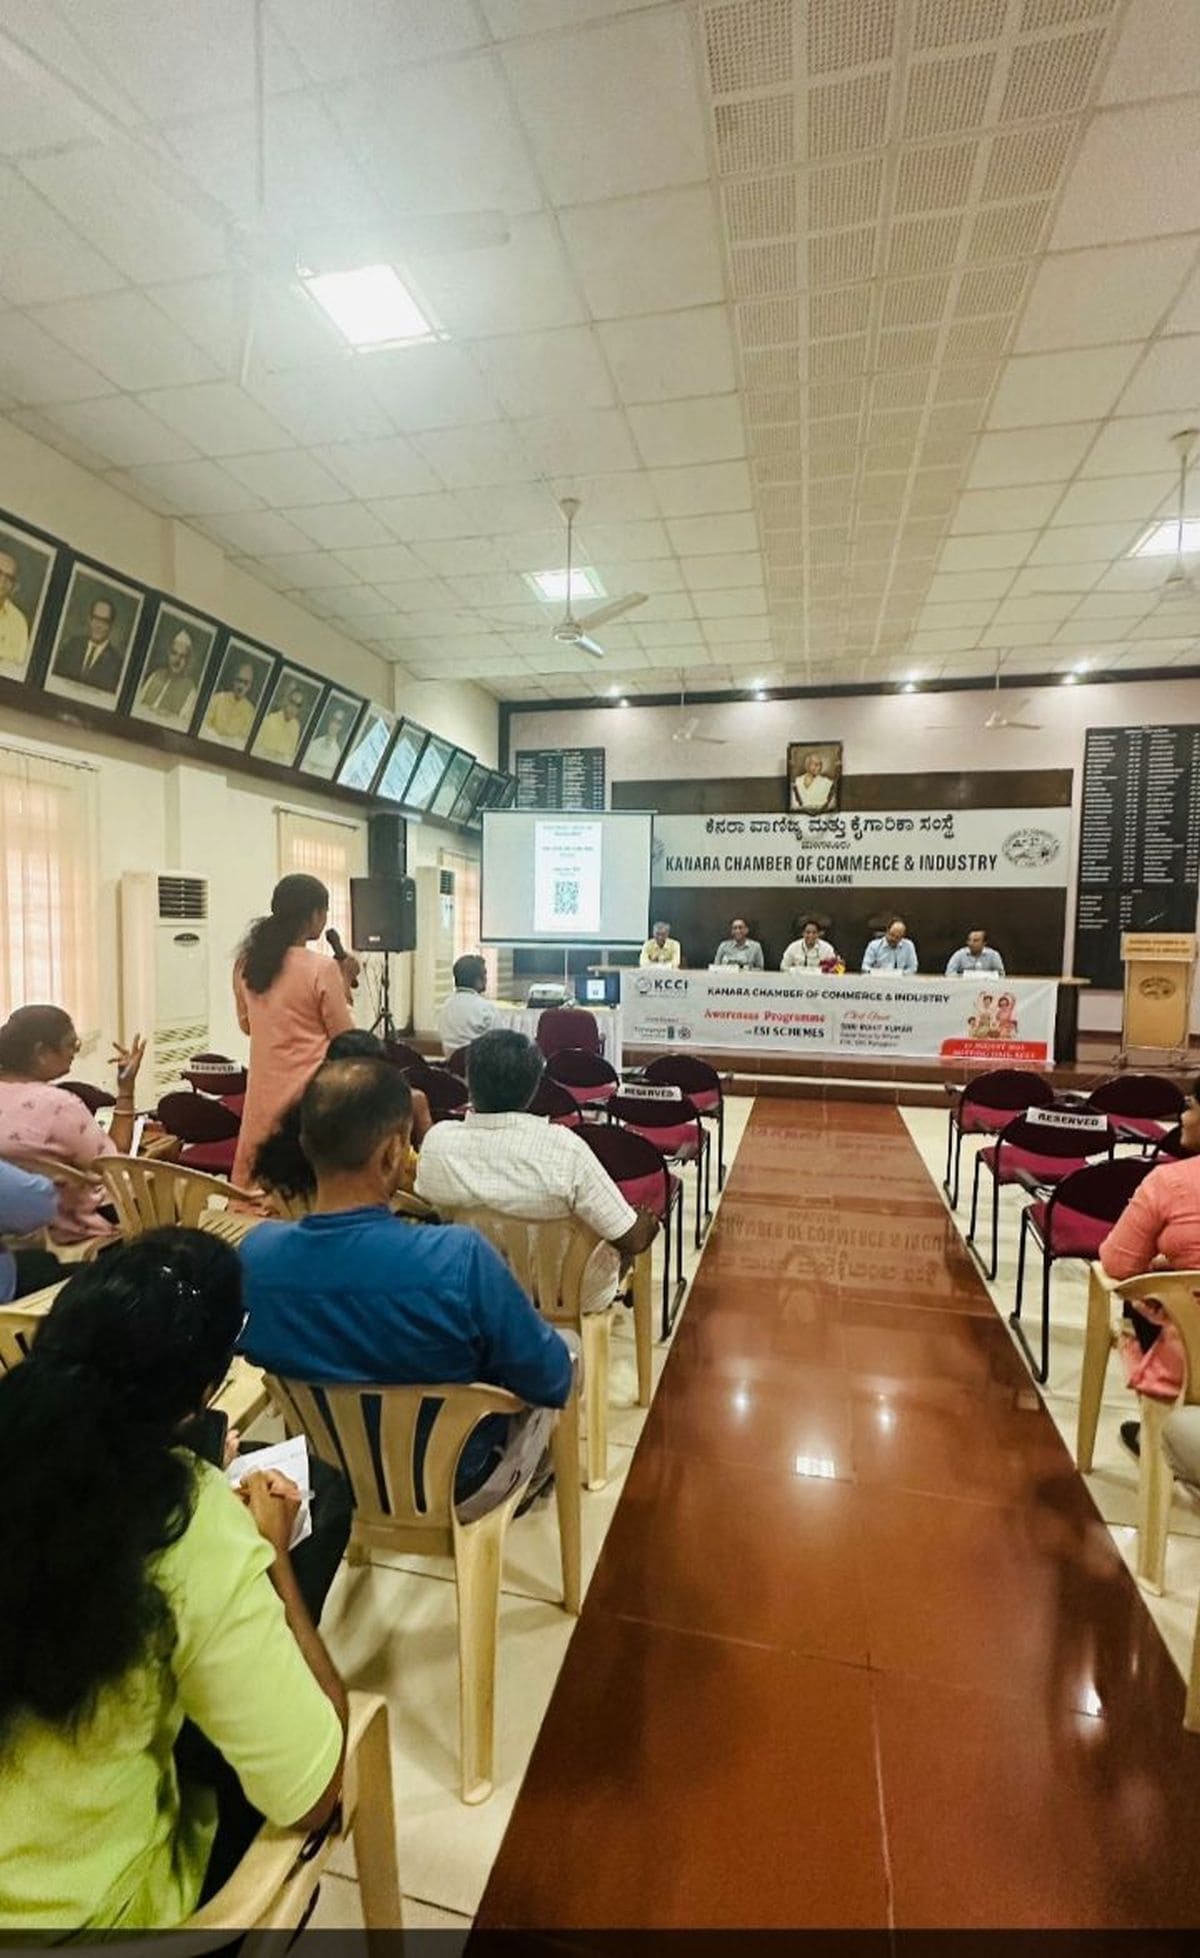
(551, 586)
(622, 702)
(371, 307)
(910, 686)
(1069, 679)
(1170, 539)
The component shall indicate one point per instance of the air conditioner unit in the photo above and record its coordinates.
(433, 959)
(164, 972)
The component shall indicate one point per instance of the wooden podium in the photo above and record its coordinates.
(1159, 970)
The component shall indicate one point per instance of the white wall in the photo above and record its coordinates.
(881, 733)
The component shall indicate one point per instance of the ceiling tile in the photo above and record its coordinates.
(620, 497)
(332, 405)
(447, 127)
(697, 536)
(675, 432)
(366, 36)
(35, 368)
(1137, 175)
(377, 564)
(1168, 378)
(42, 259)
(1157, 53)
(1030, 455)
(1185, 317)
(1060, 387)
(446, 555)
(462, 457)
(702, 490)
(736, 602)
(595, 440)
(612, 110)
(124, 214)
(128, 339)
(121, 431)
(983, 553)
(194, 488)
(1118, 499)
(1003, 509)
(1134, 445)
(513, 17)
(730, 568)
(667, 356)
(523, 286)
(436, 385)
(413, 517)
(1083, 543)
(533, 374)
(1089, 298)
(181, 60)
(218, 417)
(256, 533)
(392, 467)
(340, 526)
(623, 543)
(504, 507)
(287, 477)
(955, 587)
(647, 254)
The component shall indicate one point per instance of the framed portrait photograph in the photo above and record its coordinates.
(26, 567)
(331, 734)
(175, 668)
(240, 687)
(96, 630)
(361, 762)
(814, 776)
(290, 709)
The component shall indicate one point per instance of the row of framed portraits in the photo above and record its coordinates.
(75, 628)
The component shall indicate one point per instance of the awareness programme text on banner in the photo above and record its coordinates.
(1007, 1021)
(966, 849)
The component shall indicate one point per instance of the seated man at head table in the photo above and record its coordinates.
(503, 1158)
(739, 948)
(891, 951)
(809, 952)
(351, 1294)
(975, 956)
(465, 1012)
(661, 948)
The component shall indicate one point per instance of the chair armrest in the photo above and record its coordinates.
(1028, 1181)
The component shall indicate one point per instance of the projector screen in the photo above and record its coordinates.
(559, 877)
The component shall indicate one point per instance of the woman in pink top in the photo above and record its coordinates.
(291, 1001)
(1159, 1230)
(38, 1045)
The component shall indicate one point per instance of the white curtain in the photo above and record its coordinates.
(333, 851)
(468, 915)
(48, 946)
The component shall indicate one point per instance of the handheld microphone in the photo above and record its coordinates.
(333, 939)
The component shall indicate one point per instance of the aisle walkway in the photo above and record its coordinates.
(858, 1651)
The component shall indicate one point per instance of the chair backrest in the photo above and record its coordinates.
(401, 1055)
(1170, 1146)
(668, 1124)
(629, 1159)
(547, 1256)
(230, 1225)
(215, 1074)
(1007, 1087)
(197, 1118)
(148, 1194)
(567, 1026)
(375, 1436)
(686, 1072)
(1178, 1293)
(446, 1093)
(456, 1063)
(92, 1098)
(19, 1324)
(553, 1101)
(1145, 1095)
(1067, 1134)
(1101, 1190)
(43, 1163)
(576, 1069)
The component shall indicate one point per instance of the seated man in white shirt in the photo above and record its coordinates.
(503, 1158)
(975, 956)
(466, 1014)
(661, 948)
(891, 951)
(810, 951)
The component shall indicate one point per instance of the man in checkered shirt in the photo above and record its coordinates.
(503, 1158)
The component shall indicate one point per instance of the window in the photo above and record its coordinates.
(48, 949)
(468, 920)
(326, 849)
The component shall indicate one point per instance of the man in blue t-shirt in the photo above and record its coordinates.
(350, 1294)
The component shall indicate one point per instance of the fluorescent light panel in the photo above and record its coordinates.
(371, 307)
(1163, 539)
(551, 586)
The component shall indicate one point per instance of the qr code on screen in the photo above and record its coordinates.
(566, 897)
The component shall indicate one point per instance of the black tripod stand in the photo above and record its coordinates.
(383, 1023)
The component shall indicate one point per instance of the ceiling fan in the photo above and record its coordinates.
(997, 721)
(570, 630)
(1179, 583)
(686, 731)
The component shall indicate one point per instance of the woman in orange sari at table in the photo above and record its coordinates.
(291, 1001)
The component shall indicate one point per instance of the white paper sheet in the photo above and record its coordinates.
(291, 1459)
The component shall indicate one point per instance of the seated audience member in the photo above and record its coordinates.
(351, 1294)
(466, 1014)
(808, 952)
(38, 1044)
(739, 948)
(280, 1164)
(891, 951)
(27, 1203)
(143, 1594)
(975, 956)
(660, 948)
(502, 1158)
(1159, 1230)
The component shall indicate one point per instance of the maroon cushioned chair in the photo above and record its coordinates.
(588, 1080)
(401, 1055)
(92, 1098)
(215, 1074)
(675, 1129)
(641, 1175)
(1037, 1151)
(1170, 1149)
(1072, 1222)
(702, 1085)
(567, 1026)
(447, 1095)
(984, 1107)
(207, 1130)
(456, 1063)
(556, 1104)
(1142, 1106)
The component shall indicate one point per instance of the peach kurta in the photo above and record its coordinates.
(290, 1026)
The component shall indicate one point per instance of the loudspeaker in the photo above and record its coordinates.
(387, 846)
(383, 914)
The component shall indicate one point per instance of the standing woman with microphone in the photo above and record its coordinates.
(291, 1001)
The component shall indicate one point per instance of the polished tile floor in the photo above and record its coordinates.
(859, 1649)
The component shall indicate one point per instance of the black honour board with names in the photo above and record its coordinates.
(1139, 843)
(560, 778)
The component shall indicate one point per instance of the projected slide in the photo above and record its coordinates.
(568, 859)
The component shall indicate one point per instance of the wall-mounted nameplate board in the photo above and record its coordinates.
(1139, 842)
(560, 778)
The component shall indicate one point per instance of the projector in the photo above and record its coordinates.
(548, 995)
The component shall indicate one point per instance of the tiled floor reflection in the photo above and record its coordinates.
(858, 1649)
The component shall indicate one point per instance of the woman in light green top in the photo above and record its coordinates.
(139, 1591)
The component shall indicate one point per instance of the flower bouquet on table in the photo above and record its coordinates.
(833, 966)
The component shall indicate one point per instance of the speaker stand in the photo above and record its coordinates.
(383, 1023)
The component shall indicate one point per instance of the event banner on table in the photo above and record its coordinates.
(969, 1019)
(962, 849)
